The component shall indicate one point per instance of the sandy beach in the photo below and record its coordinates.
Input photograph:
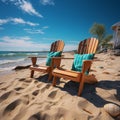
(25, 98)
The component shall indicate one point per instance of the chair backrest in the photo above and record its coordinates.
(88, 46)
(57, 46)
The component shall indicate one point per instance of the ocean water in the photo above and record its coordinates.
(10, 59)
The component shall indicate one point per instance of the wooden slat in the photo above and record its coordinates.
(82, 48)
(40, 68)
(91, 46)
(65, 72)
(60, 45)
(87, 46)
(95, 45)
(57, 46)
(75, 76)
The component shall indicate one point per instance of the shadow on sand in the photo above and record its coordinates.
(89, 91)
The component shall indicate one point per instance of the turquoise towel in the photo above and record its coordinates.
(78, 61)
(50, 55)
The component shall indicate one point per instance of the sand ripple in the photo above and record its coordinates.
(24, 98)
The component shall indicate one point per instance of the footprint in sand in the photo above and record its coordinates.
(28, 81)
(36, 92)
(19, 88)
(25, 80)
(35, 117)
(5, 96)
(45, 88)
(48, 86)
(52, 94)
(23, 84)
(36, 82)
(12, 106)
(22, 79)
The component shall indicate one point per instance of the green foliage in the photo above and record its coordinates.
(99, 31)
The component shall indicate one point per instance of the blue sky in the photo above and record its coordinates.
(32, 25)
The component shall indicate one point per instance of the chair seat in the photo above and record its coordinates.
(40, 68)
(68, 74)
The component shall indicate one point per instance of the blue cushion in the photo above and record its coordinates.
(78, 61)
(50, 55)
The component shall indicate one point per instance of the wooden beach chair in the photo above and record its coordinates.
(55, 51)
(83, 60)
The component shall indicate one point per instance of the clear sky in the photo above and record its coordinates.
(31, 25)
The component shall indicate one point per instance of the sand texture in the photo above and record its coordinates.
(25, 98)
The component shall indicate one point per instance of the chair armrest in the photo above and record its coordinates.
(37, 57)
(56, 61)
(62, 58)
(34, 59)
(86, 65)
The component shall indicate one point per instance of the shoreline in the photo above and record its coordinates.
(7, 68)
(10, 59)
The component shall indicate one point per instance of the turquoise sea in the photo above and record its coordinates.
(10, 59)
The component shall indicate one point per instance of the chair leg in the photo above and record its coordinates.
(54, 80)
(32, 73)
(81, 85)
(50, 77)
(33, 59)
